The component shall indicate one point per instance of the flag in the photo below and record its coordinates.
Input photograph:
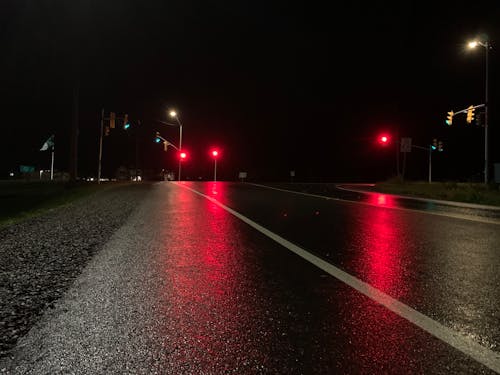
(48, 143)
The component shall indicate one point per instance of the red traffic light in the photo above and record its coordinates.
(215, 153)
(383, 139)
(183, 155)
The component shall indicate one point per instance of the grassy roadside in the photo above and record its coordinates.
(451, 191)
(20, 199)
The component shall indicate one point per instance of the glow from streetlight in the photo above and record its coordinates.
(172, 114)
(473, 44)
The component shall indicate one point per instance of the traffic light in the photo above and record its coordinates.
(183, 155)
(126, 124)
(434, 144)
(449, 119)
(157, 139)
(440, 146)
(215, 153)
(112, 118)
(383, 139)
(470, 114)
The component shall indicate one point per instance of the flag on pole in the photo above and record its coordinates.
(48, 143)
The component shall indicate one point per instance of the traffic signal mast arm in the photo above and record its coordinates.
(424, 148)
(167, 142)
(420, 147)
(467, 109)
(167, 123)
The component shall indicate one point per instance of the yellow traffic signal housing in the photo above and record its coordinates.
(449, 119)
(470, 114)
(112, 118)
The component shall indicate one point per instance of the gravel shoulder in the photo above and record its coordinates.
(42, 256)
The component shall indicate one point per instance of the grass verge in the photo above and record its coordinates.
(20, 199)
(450, 191)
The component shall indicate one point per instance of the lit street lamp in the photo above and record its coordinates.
(473, 44)
(174, 114)
(215, 154)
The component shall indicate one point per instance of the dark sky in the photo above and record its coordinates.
(277, 85)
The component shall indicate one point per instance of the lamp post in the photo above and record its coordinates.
(215, 154)
(174, 114)
(473, 44)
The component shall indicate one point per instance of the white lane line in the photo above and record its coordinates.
(445, 214)
(462, 343)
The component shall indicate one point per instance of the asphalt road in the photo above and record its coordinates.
(210, 278)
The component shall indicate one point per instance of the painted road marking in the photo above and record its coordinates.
(445, 214)
(462, 343)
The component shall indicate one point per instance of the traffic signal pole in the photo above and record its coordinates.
(430, 164)
(112, 118)
(215, 169)
(100, 148)
(179, 124)
(180, 147)
(430, 159)
(486, 158)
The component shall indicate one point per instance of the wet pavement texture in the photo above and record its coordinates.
(362, 193)
(186, 287)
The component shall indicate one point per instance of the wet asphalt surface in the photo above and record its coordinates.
(185, 287)
(364, 193)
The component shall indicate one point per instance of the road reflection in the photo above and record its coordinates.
(235, 302)
(209, 319)
(381, 246)
(379, 242)
(392, 201)
(383, 200)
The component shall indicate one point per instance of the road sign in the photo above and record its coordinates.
(405, 144)
(26, 169)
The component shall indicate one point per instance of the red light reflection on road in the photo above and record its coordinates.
(379, 199)
(203, 308)
(382, 255)
(214, 273)
(380, 263)
(213, 189)
(216, 252)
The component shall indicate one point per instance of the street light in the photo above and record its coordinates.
(174, 114)
(215, 154)
(473, 44)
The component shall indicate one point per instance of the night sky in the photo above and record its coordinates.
(276, 85)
